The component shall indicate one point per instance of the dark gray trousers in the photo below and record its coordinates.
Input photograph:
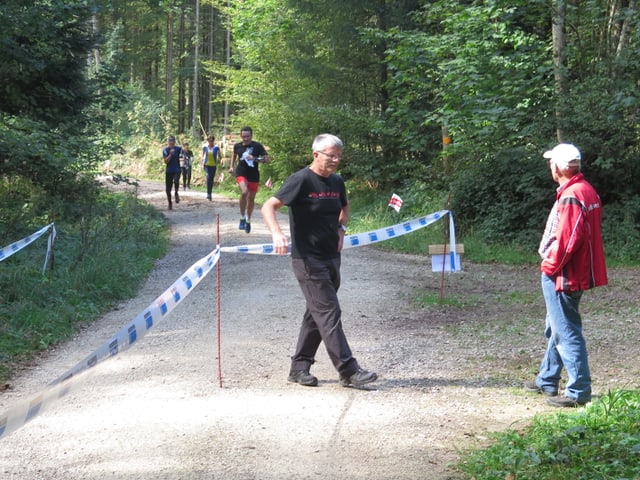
(319, 280)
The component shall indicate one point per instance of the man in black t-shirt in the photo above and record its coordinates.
(246, 155)
(318, 215)
(171, 158)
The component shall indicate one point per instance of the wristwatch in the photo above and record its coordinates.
(343, 227)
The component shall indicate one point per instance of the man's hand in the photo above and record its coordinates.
(280, 240)
(341, 234)
(280, 243)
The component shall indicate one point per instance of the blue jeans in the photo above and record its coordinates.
(566, 346)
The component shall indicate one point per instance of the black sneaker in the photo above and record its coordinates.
(361, 377)
(564, 401)
(303, 377)
(170, 206)
(243, 224)
(247, 227)
(533, 387)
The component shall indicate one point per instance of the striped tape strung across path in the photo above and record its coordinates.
(15, 247)
(362, 239)
(162, 306)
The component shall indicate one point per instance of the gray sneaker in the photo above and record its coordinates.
(358, 379)
(303, 377)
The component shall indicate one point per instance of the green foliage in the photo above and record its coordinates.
(311, 73)
(621, 232)
(464, 70)
(370, 211)
(483, 70)
(601, 116)
(508, 253)
(139, 117)
(457, 301)
(387, 77)
(600, 441)
(134, 34)
(44, 49)
(92, 270)
(45, 135)
(513, 209)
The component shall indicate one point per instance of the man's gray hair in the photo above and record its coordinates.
(326, 140)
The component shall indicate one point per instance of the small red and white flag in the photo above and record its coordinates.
(395, 202)
(269, 183)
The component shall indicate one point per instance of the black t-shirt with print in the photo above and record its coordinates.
(315, 203)
(243, 169)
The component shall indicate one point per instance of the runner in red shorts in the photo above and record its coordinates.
(247, 154)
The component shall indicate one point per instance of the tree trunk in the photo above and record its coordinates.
(559, 60)
(168, 89)
(195, 119)
(182, 103)
(625, 31)
(211, 55)
(227, 130)
(96, 51)
(446, 141)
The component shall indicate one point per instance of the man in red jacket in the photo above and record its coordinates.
(572, 261)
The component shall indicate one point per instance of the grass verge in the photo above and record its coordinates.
(93, 270)
(600, 441)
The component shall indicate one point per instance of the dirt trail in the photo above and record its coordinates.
(449, 375)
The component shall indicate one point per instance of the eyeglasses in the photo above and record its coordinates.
(331, 156)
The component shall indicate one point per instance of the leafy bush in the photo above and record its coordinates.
(621, 232)
(600, 441)
(504, 198)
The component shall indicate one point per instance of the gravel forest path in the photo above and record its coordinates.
(449, 374)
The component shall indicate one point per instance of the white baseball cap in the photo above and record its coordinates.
(564, 155)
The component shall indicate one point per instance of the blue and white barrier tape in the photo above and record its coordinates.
(358, 239)
(161, 307)
(15, 247)
(453, 265)
(50, 242)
